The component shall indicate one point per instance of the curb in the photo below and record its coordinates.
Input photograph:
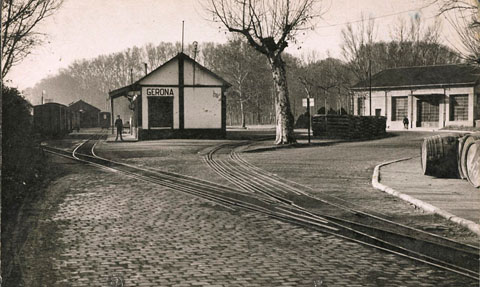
(472, 226)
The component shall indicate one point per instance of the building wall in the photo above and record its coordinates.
(203, 108)
(380, 101)
(166, 75)
(202, 77)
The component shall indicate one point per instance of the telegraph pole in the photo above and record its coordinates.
(370, 86)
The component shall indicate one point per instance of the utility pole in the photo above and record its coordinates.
(183, 28)
(370, 87)
(195, 51)
(309, 116)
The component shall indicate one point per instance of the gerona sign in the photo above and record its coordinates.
(159, 92)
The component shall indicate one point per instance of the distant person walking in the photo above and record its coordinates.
(405, 123)
(119, 126)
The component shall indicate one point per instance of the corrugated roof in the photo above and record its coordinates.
(441, 75)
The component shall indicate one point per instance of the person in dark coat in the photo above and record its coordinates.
(405, 122)
(119, 126)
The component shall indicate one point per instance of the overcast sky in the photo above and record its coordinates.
(88, 28)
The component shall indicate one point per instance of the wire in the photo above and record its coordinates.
(373, 18)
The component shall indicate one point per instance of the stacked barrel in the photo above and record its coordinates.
(452, 156)
(348, 126)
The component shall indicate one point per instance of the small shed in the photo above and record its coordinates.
(88, 114)
(179, 99)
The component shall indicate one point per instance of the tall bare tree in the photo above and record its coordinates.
(19, 20)
(269, 26)
(357, 46)
(464, 17)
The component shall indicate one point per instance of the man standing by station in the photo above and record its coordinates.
(119, 126)
(405, 123)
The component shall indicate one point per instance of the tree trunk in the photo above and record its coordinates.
(242, 112)
(284, 118)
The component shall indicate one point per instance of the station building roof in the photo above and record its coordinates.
(423, 77)
(124, 91)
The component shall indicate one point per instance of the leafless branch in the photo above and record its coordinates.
(19, 20)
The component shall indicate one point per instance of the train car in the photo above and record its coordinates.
(52, 120)
(104, 120)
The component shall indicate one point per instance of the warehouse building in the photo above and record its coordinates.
(179, 99)
(87, 115)
(429, 96)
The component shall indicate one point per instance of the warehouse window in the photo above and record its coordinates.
(399, 108)
(458, 107)
(428, 109)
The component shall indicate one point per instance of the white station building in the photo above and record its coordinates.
(179, 99)
(429, 96)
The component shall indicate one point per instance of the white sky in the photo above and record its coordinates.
(88, 28)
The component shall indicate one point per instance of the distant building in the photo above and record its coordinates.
(429, 96)
(87, 113)
(180, 99)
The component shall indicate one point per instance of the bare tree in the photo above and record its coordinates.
(19, 20)
(357, 47)
(464, 17)
(269, 26)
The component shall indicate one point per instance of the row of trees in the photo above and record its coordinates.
(251, 100)
(268, 27)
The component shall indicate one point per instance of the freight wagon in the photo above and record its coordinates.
(52, 120)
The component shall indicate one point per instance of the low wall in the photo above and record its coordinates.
(348, 126)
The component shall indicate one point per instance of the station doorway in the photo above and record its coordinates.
(160, 112)
(428, 111)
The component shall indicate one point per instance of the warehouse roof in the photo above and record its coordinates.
(82, 105)
(425, 76)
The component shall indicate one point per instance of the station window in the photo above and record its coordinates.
(399, 108)
(458, 107)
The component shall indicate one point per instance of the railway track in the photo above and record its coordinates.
(351, 223)
(261, 192)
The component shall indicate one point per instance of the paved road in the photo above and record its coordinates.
(108, 227)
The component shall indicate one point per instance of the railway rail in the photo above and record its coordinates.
(262, 192)
(351, 222)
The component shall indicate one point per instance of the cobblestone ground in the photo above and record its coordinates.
(112, 228)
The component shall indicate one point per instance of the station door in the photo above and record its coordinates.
(428, 112)
(160, 112)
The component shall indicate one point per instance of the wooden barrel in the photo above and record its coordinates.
(472, 163)
(439, 155)
(462, 152)
(461, 142)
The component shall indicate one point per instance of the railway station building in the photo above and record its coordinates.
(429, 96)
(179, 99)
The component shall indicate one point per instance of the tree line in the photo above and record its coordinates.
(251, 97)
